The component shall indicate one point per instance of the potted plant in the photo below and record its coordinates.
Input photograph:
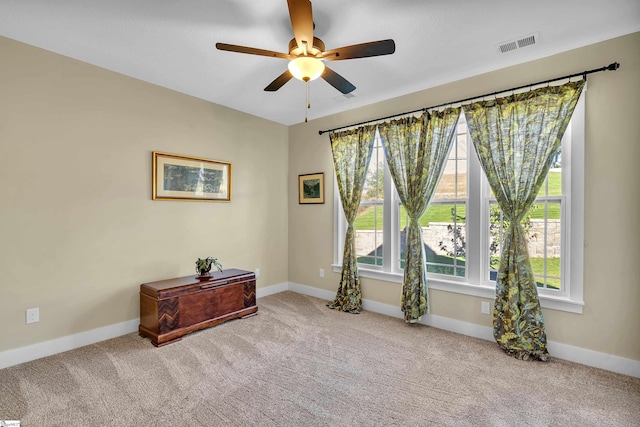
(203, 266)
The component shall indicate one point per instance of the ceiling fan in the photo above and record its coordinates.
(307, 53)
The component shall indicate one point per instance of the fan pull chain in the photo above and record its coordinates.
(308, 104)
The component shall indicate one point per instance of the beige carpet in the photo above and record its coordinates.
(298, 363)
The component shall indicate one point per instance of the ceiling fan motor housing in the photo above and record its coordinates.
(315, 50)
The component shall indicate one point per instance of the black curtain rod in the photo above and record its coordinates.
(611, 67)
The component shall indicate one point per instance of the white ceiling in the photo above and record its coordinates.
(171, 43)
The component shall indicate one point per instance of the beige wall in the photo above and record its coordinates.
(78, 229)
(611, 316)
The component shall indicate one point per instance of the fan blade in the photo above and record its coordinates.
(363, 50)
(252, 51)
(279, 81)
(337, 81)
(301, 16)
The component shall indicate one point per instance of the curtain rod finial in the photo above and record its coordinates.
(613, 66)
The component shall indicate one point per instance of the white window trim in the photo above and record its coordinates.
(571, 297)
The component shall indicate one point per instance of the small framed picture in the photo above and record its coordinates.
(177, 177)
(311, 188)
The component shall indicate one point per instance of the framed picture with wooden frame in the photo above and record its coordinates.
(178, 177)
(311, 188)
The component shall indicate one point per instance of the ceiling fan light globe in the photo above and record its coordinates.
(306, 68)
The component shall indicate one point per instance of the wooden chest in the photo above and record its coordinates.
(172, 308)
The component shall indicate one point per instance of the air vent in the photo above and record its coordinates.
(506, 47)
(527, 41)
(519, 43)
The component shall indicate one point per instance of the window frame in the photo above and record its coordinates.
(476, 283)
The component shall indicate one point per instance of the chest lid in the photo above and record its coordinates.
(183, 285)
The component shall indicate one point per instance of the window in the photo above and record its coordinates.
(543, 227)
(369, 223)
(444, 222)
(463, 225)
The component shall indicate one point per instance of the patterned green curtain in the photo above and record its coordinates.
(515, 138)
(416, 149)
(351, 154)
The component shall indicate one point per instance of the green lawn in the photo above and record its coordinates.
(368, 217)
(369, 260)
(371, 216)
(442, 264)
(555, 184)
(553, 271)
(439, 213)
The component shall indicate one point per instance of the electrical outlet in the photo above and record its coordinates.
(257, 272)
(33, 315)
(484, 307)
(322, 272)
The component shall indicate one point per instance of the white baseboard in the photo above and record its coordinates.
(311, 291)
(608, 362)
(440, 322)
(580, 355)
(48, 348)
(583, 356)
(270, 290)
(69, 342)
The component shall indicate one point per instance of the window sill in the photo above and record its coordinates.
(482, 291)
